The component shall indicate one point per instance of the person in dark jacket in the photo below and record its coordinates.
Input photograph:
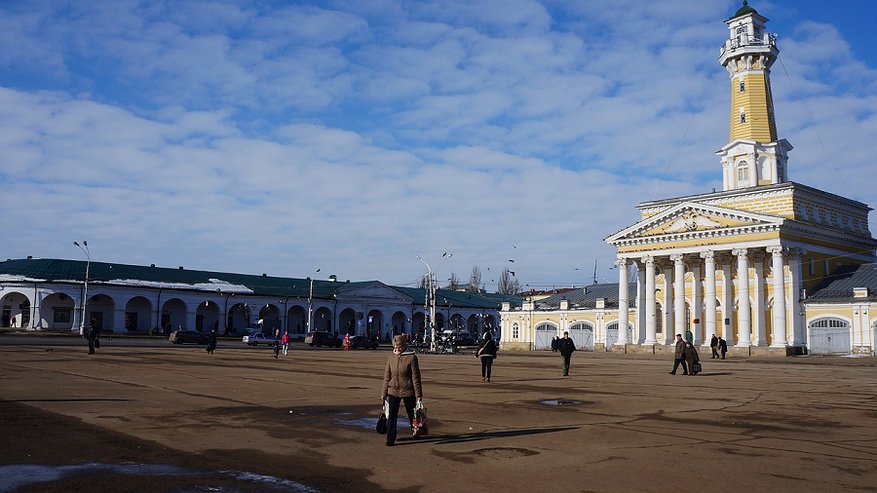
(679, 356)
(692, 358)
(566, 348)
(723, 347)
(487, 353)
(211, 341)
(93, 336)
(714, 347)
(401, 384)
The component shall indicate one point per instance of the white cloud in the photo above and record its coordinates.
(354, 136)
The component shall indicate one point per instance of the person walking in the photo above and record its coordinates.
(723, 347)
(487, 353)
(566, 347)
(689, 336)
(284, 342)
(93, 336)
(679, 356)
(211, 341)
(401, 384)
(692, 358)
(276, 343)
(714, 347)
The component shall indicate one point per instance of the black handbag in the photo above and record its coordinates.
(381, 426)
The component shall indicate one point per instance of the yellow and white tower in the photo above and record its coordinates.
(753, 156)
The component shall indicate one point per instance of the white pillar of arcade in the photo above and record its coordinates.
(709, 295)
(623, 302)
(778, 272)
(679, 292)
(651, 329)
(744, 322)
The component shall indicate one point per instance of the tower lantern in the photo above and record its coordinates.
(753, 156)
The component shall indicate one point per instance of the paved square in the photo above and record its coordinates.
(616, 424)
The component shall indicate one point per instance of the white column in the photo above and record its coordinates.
(668, 323)
(623, 302)
(679, 293)
(727, 301)
(651, 331)
(696, 309)
(758, 309)
(709, 295)
(640, 303)
(778, 269)
(799, 336)
(744, 322)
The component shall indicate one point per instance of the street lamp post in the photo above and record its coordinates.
(430, 298)
(84, 304)
(311, 303)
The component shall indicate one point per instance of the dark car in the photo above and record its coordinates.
(187, 336)
(464, 339)
(363, 342)
(320, 338)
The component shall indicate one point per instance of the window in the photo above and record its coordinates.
(825, 267)
(811, 266)
(742, 117)
(61, 315)
(515, 331)
(743, 172)
(742, 86)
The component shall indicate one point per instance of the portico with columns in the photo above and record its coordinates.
(731, 263)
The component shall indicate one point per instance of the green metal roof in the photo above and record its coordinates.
(73, 271)
(745, 9)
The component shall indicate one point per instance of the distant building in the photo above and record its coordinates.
(737, 263)
(48, 294)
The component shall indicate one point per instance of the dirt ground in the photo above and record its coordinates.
(616, 424)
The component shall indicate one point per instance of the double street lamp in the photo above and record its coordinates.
(430, 298)
(84, 304)
(311, 302)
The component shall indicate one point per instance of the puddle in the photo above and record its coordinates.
(369, 423)
(560, 402)
(13, 477)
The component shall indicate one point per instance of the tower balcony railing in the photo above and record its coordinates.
(745, 41)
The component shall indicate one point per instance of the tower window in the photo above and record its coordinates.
(742, 86)
(742, 172)
(742, 117)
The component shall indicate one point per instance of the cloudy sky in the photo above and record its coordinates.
(352, 136)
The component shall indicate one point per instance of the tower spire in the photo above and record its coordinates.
(753, 156)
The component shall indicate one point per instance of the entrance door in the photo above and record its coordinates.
(830, 336)
(544, 334)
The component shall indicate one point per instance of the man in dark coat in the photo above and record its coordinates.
(566, 348)
(723, 347)
(93, 336)
(714, 346)
(679, 356)
(211, 341)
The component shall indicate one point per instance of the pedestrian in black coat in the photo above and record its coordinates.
(93, 336)
(487, 353)
(211, 341)
(723, 347)
(566, 347)
(714, 346)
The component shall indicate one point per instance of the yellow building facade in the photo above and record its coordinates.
(736, 263)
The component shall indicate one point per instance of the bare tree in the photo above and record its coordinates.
(424, 282)
(507, 283)
(453, 282)
(475, 280)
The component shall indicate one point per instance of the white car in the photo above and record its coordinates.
(255, 339)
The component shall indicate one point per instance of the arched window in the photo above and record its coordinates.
(743, 172)
(516, 332)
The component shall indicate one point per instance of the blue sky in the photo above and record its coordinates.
(352, 136)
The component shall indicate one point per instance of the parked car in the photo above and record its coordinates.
(187, 336)
(362, 342)
(257, 337)
(464, 339)
(320, 338)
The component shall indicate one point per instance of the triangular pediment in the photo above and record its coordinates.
(373, 290)
(692, 217)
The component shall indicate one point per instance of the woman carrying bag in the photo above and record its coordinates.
(401, 384)
(487, 353)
